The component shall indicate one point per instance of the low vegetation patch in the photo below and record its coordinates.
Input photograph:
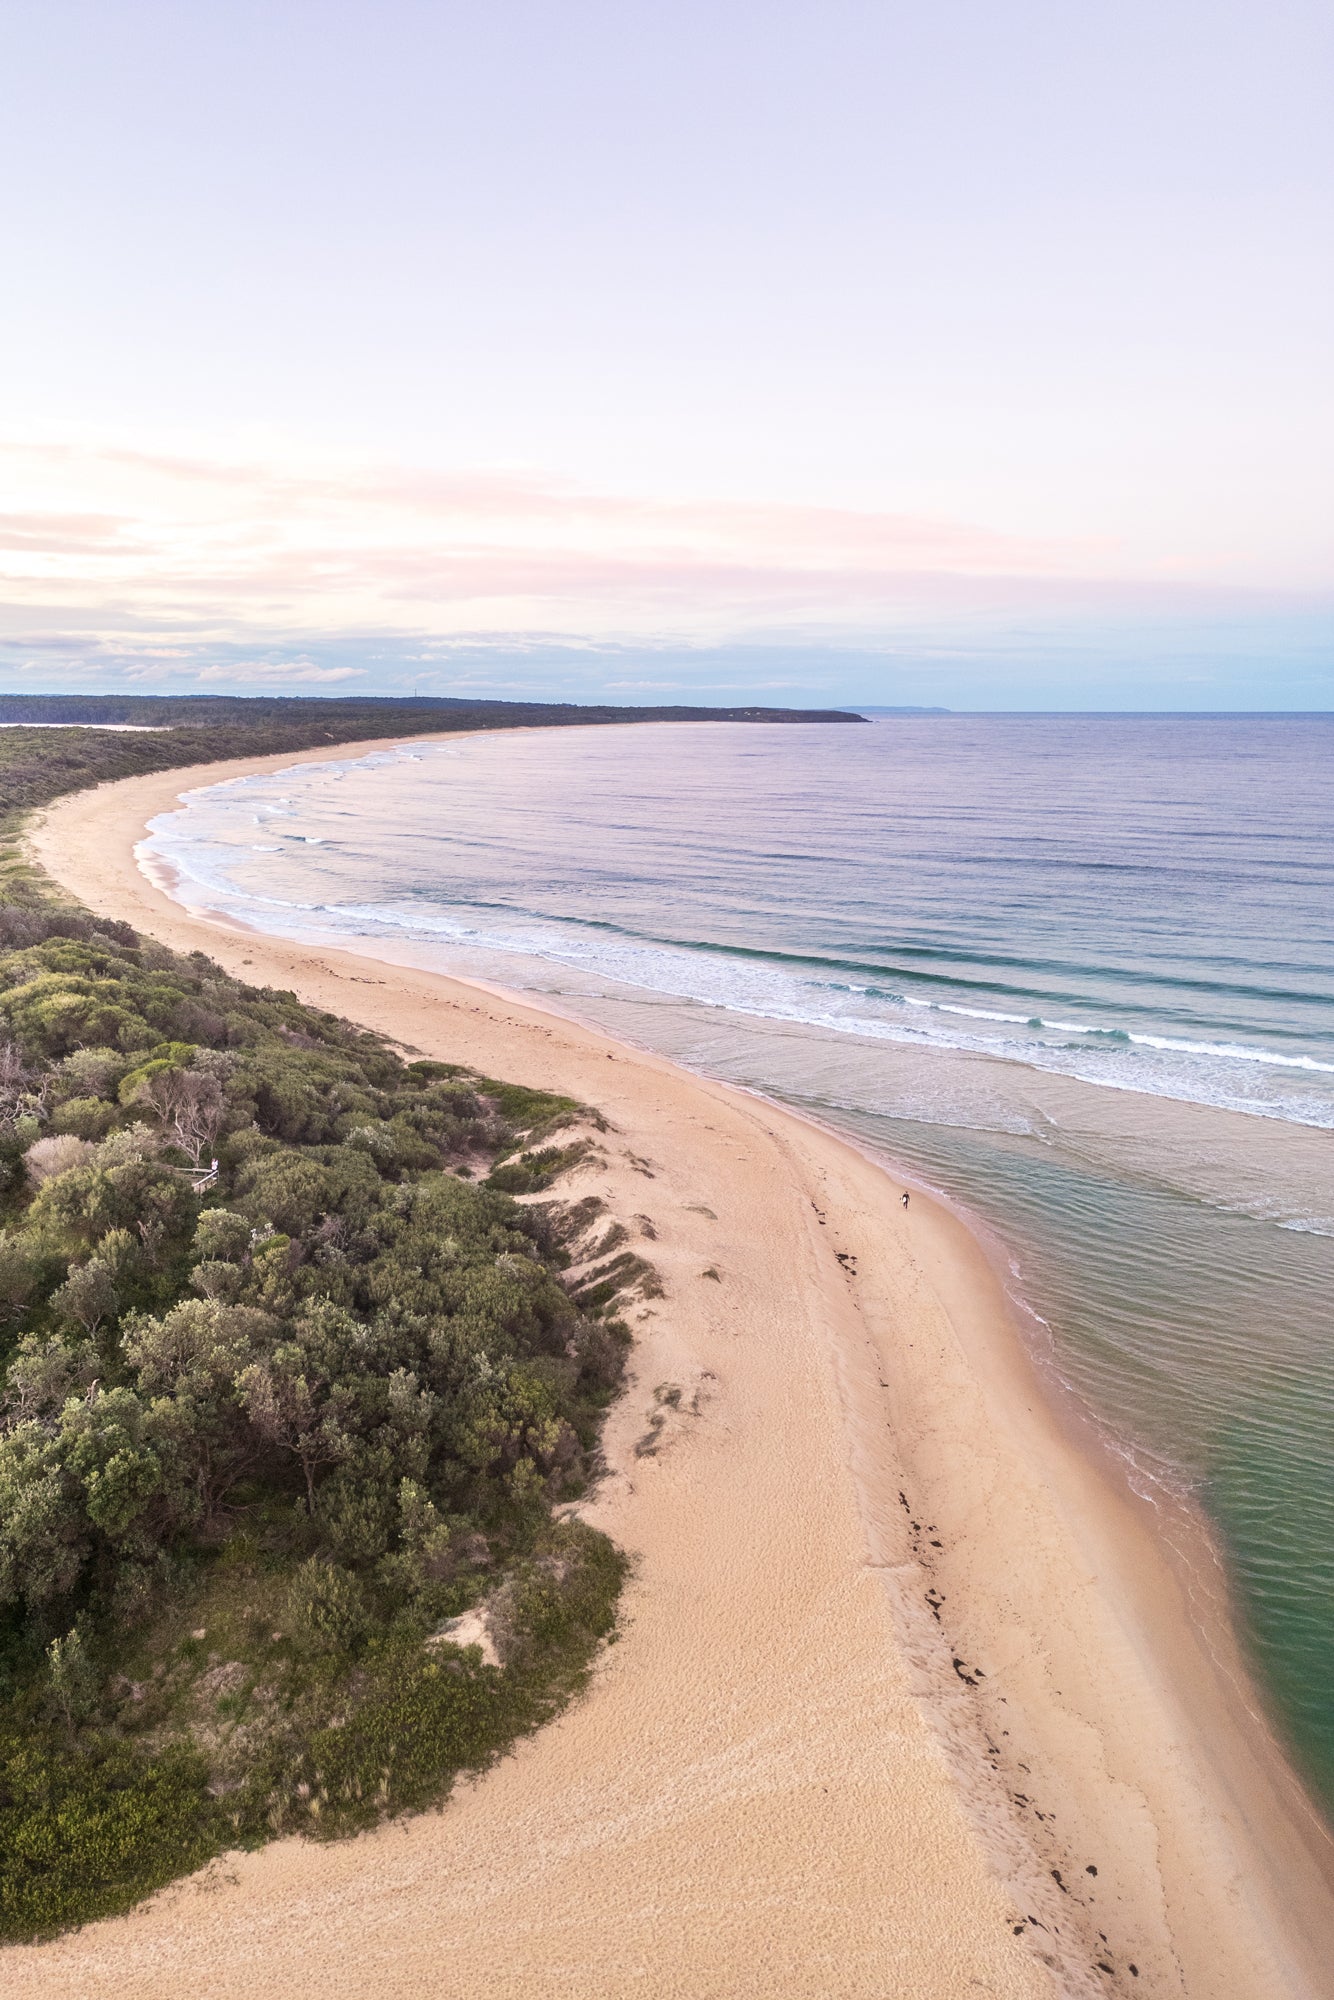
(534, 1169)
(291, 1383)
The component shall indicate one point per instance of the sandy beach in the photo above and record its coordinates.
(911, 1698)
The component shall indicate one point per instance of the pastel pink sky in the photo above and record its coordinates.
(714, 332)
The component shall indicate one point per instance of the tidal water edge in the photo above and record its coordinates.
(1077, 972)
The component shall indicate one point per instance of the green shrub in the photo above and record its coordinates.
(532, 1172)
(220, 1233)
(85, 1117)
(326, 1607)
(85, 1833)
(258, 1438)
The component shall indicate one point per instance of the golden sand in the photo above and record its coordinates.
(902, 1666)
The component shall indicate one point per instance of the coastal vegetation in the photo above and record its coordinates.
(298, 1376)
(51, 744)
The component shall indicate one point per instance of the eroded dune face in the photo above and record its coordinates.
(883, 1616)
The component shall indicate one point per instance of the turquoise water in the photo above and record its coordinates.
(1078, 972)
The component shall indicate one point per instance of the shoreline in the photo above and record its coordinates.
(1061, 1710)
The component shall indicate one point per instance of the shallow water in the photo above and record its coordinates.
(1079, 972)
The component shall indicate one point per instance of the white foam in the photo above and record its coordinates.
(1115, 1057)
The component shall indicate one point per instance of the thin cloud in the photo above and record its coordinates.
(156, 554)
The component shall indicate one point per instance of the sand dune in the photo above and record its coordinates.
(909, 1700)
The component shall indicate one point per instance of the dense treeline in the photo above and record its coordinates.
(37, 765)
(290, 1384)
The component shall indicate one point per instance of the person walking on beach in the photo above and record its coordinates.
(905, 1197)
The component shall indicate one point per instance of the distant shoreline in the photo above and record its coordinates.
(877, 1586)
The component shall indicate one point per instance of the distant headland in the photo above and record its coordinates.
(137, 734)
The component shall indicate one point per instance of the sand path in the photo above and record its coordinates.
(814, 1763)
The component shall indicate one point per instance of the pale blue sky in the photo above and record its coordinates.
(869, 352)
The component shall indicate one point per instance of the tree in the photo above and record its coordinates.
(18, 1276)
(23, 1089)
(188, 1363)
(42, 1528)
(293, 1412)
(46, 1158)
(42, 1374)
(106, 1449)
(191, 1104)
(87, 1296)
(71, 1678)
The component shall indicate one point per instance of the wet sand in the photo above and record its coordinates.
(909, 1700)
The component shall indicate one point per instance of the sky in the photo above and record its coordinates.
(976, 354)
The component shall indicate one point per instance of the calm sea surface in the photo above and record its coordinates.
(1078, 972)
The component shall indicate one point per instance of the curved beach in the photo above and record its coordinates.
(909, 1699)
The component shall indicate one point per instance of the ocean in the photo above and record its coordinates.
(1075, 972)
